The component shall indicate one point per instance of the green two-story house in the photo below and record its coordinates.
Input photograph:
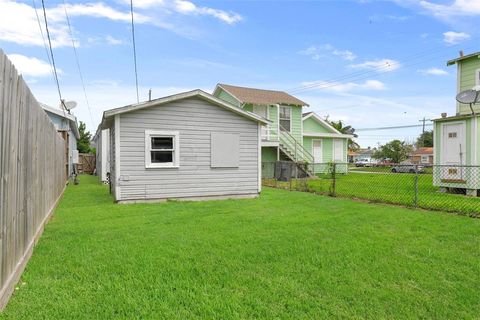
(291, 134)
(457, 137)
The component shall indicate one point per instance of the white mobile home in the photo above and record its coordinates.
(190, 145)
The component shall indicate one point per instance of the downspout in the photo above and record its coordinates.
(278, 131)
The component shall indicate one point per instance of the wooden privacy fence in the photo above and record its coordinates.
(32, 173)
(86, 163)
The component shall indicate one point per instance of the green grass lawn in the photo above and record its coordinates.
(287, 255)
(398, 188)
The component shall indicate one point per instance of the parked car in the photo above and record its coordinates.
(408, 167)
(384, 163)
(363, 163)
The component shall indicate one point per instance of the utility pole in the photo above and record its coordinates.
(423, 129)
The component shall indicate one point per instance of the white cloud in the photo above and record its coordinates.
(31, 66)
(316, 53)
(452, 37)
(18, 21)
(381, 65)
(95, 10)
(340, 87)
(113, 41)
(345, 54)
(189, 8)
(18, 24)
(434, 72)
(457, 8)
(311, 52)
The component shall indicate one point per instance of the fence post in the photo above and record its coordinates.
(333, 191)
(415, 200)
(290, 174)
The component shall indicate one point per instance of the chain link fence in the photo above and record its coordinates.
(450, 188)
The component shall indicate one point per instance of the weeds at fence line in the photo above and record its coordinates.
(449, 188)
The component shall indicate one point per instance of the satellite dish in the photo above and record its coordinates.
(68, 105)
(468, 96)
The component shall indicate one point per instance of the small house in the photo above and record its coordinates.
(423, 156)
(67, 127)
(325, 143)
(190, 145)
(456, 138)
(102, 155)
(364, 154)
(290, 134)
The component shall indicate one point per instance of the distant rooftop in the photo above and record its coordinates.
(261, 96)
(424, 150)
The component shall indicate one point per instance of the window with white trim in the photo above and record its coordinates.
(424, 158)
(162, 149)
(285, 115)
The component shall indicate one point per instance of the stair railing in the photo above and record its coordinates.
(299, 152)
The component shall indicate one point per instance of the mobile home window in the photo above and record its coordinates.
(162, 149)
(424, 159)
(285, 115)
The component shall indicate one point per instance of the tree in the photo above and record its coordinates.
(83, 144)
(425, 139)
(395, 150)
(352, 145)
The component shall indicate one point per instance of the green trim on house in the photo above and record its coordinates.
(312, 125)
(225, 96)
(296, 125)
(248, 107)
(269, 154)
(466, 80)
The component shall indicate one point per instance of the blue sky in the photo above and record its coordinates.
(369, 63)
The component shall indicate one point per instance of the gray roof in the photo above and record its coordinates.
(468, 56)
(184, 95)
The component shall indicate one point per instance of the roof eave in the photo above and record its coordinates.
(321, 121)
(468, 56)
(180, 96)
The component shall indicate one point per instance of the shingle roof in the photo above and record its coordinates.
(424, 150)
(261, 96)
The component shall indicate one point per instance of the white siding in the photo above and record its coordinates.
(195, 120)
(113, 181)
(102, 154)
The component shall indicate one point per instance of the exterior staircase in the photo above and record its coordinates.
(295, 151)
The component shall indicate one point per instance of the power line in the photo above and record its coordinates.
(44, 40)
(393, 127)
(359, 75)
(134, 49)
(53, 59)
(78, 64)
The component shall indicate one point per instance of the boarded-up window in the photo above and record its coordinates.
(225, 150)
